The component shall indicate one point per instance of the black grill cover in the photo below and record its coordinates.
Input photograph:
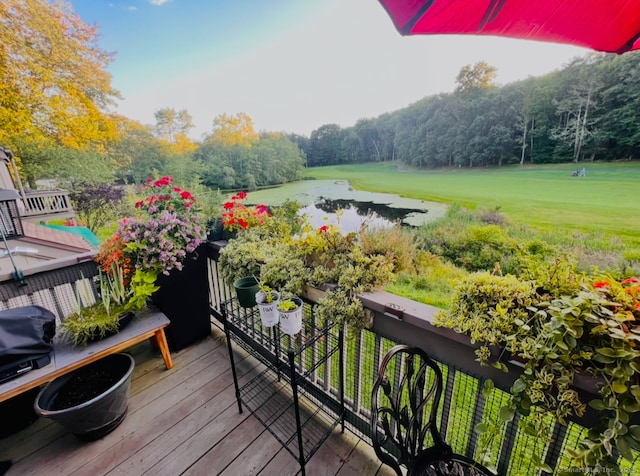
(25, 331)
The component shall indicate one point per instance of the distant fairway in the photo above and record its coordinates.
(544, 196)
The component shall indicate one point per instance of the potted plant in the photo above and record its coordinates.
(92, 401)
(290, 310)
(267, 300)
(163, 248)
(238, 216)
(111, 313)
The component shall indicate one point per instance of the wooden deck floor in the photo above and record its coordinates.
(181, 421)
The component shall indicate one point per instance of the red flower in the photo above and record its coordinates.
(323, 229)
(228, 205)
(601, 284)
(629, 281)
(242, 195)
(139, 204)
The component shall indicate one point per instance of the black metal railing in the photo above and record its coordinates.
(507, 450)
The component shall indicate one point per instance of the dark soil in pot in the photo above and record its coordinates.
(87, 383)
(92, 401)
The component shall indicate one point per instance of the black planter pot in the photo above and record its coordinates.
(93, 418)
(184, 298)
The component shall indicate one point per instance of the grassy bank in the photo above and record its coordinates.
(545, 197)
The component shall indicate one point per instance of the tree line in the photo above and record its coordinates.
(589, 110)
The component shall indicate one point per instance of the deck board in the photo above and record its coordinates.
(181, 421)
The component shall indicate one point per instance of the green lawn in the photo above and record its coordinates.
(543, 196)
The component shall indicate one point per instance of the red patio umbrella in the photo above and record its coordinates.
(603, 25)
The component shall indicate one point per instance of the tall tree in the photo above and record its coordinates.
(233, 130)
(53, 79)
(576, 105)
(325, 145)
(171, 124)
(480, 75)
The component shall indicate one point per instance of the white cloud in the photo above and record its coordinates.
(158, 2)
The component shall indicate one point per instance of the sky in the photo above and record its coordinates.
(291, 65)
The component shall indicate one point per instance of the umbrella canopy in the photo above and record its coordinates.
(603, 25)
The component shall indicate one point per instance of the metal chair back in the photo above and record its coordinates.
(405, 400)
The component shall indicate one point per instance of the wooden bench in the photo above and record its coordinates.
(53, 287)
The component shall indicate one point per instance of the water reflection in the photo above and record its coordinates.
(320, 199)
(355, 213)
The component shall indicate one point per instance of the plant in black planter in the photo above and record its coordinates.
(561, 323)
(91, 401)
(162, 249)
(112, 312)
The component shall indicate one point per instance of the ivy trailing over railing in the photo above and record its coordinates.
(560, 323)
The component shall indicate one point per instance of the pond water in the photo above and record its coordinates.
(322, 199)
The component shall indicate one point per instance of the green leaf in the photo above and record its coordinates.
(518, 386)
(487, 388)
(606, 351)
(506, 414)
(618, 386)
(603, 359)
(530, 430)
(624, 448)
(631, 407)
(597, 405)
(482, 428)
(634, 431)
(501, 366)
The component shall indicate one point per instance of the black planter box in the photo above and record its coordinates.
(184, 298)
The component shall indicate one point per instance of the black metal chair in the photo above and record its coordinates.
(405, 400)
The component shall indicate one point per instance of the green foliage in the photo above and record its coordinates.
(96, 319)
(288, 305)
(266, 294)
(432, 283)
(143, 285)
(560, 322)
(268, 159)
(462, 239)
(291, 263)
